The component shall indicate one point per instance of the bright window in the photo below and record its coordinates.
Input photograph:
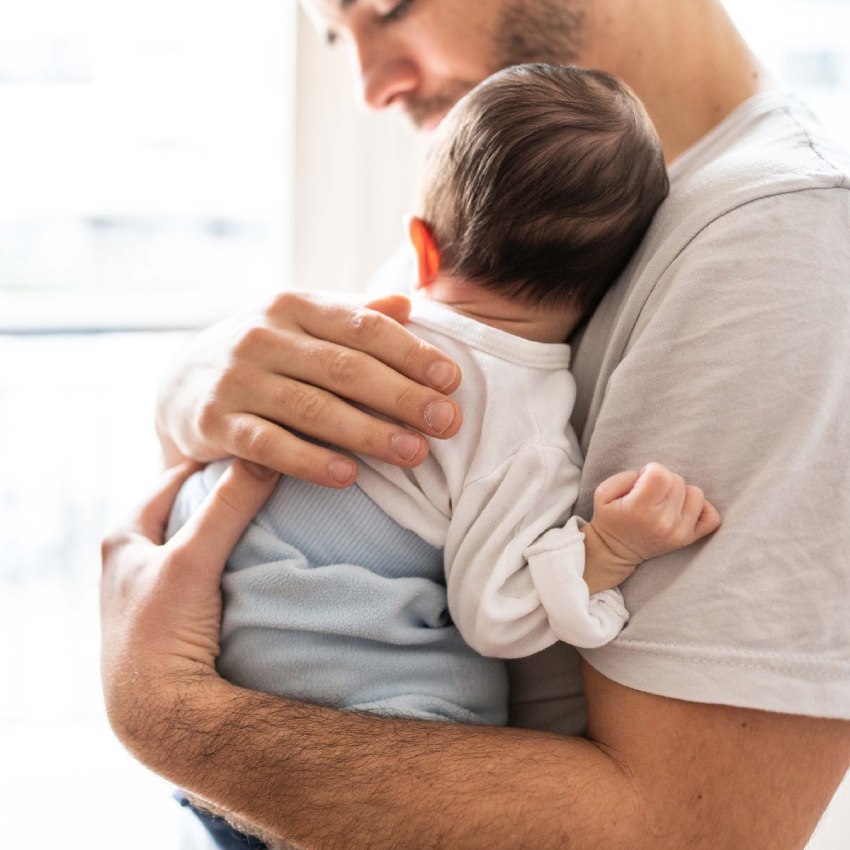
(145, 166)
(805, 44)
(145, 158)
(147, 181)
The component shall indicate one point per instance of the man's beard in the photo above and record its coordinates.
(421, 110)
(548, 31)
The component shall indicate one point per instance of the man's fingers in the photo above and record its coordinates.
(146, 526)
(301, 373)
(615, 487)
(214, 529)
(151, 517)
(326, 417)
(318, 370)
(267, 444)
(373, 333)
(396, 306)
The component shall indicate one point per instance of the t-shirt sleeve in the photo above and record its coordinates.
(737, 376)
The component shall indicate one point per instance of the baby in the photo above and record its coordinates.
(387, 596)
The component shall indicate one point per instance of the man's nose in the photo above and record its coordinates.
(387, 74)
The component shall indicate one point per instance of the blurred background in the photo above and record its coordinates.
(163, 163)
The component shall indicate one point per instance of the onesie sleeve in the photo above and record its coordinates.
(515, 561)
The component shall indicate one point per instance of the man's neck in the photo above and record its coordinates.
(686, 62)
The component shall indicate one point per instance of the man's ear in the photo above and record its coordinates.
(427, 252)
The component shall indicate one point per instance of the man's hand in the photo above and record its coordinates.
(642, 515)
(161, 602)
(305, 365)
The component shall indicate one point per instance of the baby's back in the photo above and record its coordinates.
(328, 600)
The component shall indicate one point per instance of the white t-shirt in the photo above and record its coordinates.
(724, 352)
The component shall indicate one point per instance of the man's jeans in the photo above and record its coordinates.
(224, 835)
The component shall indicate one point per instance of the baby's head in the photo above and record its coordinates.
(541, 184)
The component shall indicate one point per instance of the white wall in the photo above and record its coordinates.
(356, 174)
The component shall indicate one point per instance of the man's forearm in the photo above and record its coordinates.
(316, 777)
(661, 774)
(654, 774)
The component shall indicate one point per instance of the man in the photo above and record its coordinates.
(719, 718)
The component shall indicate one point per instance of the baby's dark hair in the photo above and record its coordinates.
(543, 183)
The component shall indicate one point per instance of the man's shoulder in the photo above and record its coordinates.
(772, 144)
(774, 147)
(769, 176)
(756, 208)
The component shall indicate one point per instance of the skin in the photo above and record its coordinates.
(654, 772)
(673, 775)
(422, 57)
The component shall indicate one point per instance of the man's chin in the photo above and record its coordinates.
(430, 123)
(428, 113)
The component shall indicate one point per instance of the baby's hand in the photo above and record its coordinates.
(641, 515)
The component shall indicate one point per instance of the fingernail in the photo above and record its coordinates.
(441, 374)
(406, 446)
(261, 472)
(440, 415)
(341, 471)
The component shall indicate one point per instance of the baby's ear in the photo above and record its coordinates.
(427, 252)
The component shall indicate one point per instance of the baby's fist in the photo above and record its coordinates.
(652, 512)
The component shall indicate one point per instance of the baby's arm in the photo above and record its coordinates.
(516, 562)
(638, 516)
